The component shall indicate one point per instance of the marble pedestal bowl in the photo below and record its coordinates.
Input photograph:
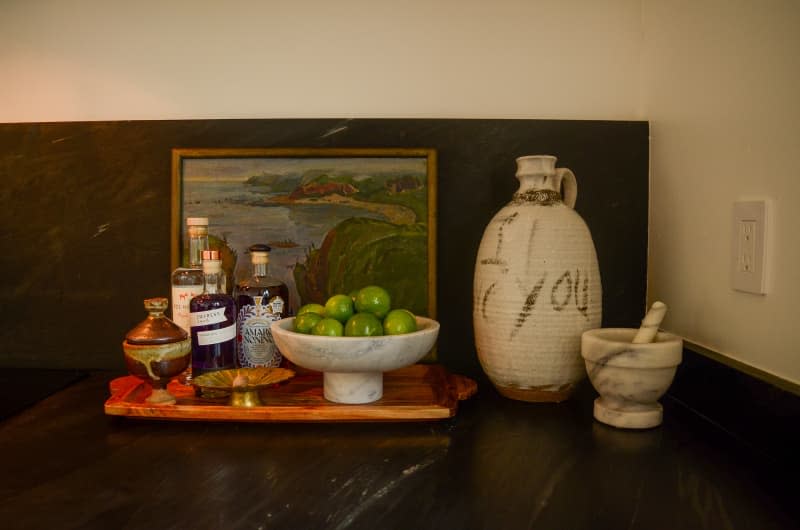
(630, 378)
(353, 367)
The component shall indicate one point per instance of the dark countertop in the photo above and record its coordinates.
(499, 464)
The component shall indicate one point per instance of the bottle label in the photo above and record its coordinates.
(181, 296)
(205, 318)
(276, 305)
(255, 344)
(216, 336)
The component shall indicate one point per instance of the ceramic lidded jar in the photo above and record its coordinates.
(536, 287)
(156, 350)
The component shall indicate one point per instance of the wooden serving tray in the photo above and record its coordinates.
(416, 393)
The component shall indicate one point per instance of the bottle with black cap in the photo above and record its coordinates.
(260, 300)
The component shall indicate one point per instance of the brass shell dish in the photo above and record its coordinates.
(242, 383)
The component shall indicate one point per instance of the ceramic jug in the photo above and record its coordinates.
(536, 287)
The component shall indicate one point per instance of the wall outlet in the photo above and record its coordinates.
(748, 258)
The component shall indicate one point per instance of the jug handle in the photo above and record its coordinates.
(569, 186)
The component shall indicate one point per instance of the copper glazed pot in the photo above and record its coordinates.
(157, 350)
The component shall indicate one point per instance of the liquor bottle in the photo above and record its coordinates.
(213, 321)
(187, 282)
(260, 301)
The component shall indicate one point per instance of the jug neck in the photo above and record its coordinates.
(538, 179)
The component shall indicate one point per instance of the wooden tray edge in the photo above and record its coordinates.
(452, 387)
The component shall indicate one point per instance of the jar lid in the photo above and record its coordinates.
(197, 221)
(156, 328)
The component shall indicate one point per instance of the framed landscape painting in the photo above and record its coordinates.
(336, 219)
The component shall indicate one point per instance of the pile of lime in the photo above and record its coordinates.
(366, 312)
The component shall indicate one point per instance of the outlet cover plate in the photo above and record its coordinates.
(748, 248)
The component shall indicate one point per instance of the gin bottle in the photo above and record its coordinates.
(213, 321)
(260, 301)
(187, 282)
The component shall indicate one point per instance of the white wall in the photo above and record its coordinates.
(718, 80)
(721, 88)
(158, 59)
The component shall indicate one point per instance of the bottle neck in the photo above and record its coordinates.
(260, 269)
(212, 282)
(260, 262)
(213, 276)
(198, 242)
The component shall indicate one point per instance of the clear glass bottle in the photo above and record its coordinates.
(213, 321)
(260, 301)
(187, 282)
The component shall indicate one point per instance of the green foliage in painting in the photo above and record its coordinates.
(362, 251)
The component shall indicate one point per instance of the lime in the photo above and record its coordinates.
(311, 308)
(373, 299)
(329, 327)
(399, 321)
(363, 325)
(305, 322)
(340, 307)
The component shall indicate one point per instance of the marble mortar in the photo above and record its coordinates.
(353, 366)
(630, 378)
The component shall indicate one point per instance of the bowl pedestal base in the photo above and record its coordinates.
(628, 415)
(352, 387)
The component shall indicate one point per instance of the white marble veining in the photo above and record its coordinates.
(353, 366)
(630, 378)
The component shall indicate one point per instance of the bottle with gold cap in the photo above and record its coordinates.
(212, 319)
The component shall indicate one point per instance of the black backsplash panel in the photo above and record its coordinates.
(86, 211)
(756, 413)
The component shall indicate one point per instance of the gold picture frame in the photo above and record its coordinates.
(379, 204)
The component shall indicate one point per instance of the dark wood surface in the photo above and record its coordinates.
(39, 384)
(498, 464)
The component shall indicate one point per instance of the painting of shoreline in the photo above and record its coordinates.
(336, 219)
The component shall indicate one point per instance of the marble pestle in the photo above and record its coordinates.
(649, 328)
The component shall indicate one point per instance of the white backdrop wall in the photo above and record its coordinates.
(721, 85)
(155, 59)
(717, 79)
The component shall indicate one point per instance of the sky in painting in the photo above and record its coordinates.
(240, 169)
